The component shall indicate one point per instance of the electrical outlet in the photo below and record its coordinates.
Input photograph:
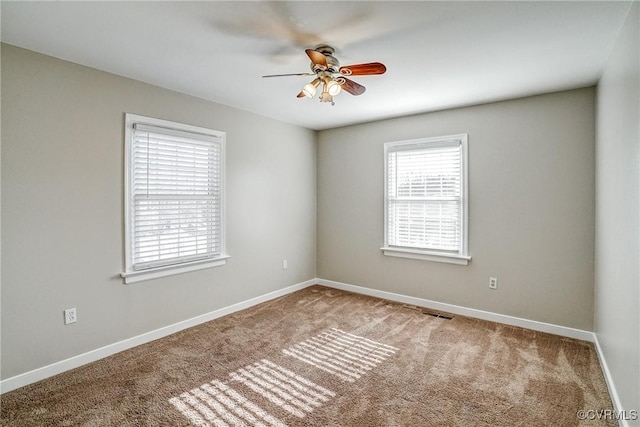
(70, 316)
(284, 264)
(493, 283)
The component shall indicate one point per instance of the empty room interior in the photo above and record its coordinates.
(320, 213)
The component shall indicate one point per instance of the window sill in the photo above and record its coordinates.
(426, 256)
(170, 270)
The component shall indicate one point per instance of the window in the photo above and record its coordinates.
(426, 199)
(174, 198)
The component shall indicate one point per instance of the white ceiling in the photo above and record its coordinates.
(438, 54)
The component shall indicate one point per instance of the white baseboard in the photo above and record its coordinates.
(615, 399)
(97, 354)
(100, 353)
(464, 311)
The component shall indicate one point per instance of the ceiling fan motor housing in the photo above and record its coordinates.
(333, 65)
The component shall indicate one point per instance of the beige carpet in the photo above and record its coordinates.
(323, 357)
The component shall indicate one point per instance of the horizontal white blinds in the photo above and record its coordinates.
(424, 196)
(176, 189)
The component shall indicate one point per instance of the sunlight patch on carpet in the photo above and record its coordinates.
(218, 404)
(342, 354)
(232, 403)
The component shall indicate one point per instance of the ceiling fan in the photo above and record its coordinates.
(328, 71)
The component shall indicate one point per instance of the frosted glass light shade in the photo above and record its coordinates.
(310, 88)
(333, 88)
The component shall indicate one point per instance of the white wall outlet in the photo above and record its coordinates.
(70, 316)
(493, 283)
(285, 264)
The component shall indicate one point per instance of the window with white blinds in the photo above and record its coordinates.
(175, 197)
(425, 198)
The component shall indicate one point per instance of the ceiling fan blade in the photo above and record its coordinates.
(363, 69)
(352, 87)
(316, 57)
(293, 74)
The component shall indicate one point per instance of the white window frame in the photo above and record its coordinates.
(131, 274)
(460, 257)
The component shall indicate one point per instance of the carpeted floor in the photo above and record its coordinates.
(323, 357)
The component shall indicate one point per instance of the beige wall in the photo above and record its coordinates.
(531, 211)
(62, 210)
(617, 279)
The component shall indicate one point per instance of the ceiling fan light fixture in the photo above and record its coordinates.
(309, 89)
(333, 88)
